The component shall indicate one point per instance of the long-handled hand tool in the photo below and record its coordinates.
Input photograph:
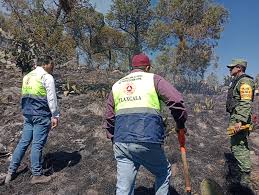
(181, 139)
(232, 131)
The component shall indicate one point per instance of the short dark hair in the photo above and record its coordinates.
(139, 67)
(45, 59)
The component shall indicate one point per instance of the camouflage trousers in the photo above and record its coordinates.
(241, 152)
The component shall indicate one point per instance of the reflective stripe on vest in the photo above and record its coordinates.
(136, 93)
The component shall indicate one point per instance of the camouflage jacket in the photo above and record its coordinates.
(241, 96)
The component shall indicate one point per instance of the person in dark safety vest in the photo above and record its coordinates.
(135, 125)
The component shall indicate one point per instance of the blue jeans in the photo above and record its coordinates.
(35, 130)
(130, 156)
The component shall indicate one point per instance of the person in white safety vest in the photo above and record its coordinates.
(40, 111)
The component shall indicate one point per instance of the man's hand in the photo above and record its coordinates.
(234, 129)
(54, 122)
(254, 119)
(109, 135)
(237, 127)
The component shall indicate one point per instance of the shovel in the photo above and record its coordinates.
(181, 139)
(208, 186)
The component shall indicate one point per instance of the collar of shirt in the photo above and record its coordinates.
(40, 69)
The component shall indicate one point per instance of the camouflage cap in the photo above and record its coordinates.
(236, 62)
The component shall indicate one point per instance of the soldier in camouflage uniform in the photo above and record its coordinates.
(239, 105)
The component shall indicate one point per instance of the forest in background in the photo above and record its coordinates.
(181, 34)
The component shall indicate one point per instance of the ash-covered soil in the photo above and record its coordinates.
(80, 159)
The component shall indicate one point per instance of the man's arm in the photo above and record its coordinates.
(49, 84)
(109, 117)
(173, 99)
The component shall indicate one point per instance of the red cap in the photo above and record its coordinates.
(140, 60)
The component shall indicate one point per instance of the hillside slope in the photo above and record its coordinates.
(80, 158)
